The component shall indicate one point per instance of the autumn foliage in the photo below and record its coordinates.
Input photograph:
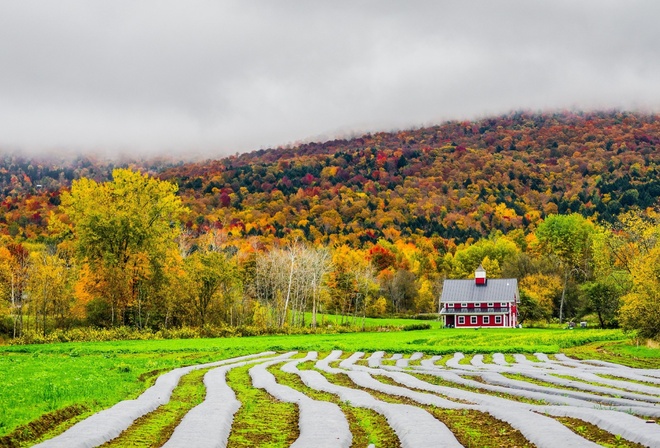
(364, 226)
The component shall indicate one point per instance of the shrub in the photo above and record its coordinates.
(427, 316)
(412, 327)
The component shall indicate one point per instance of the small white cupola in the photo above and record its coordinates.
(480, 276)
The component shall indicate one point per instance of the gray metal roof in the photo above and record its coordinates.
(495, 290)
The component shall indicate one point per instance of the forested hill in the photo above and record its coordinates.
(452, 181)
(456, 180)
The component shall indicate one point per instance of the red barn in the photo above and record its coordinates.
(480, 302)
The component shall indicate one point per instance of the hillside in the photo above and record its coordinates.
(386, 215)
(455, 181)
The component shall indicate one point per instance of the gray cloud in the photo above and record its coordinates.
(221, 77)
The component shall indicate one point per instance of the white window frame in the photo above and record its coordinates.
(478, 305)
(450, 305)
(498, 320)
(473, 320)
(490, 304)
(464, 305)
(461, 320)
(486, 320)
(504, 304)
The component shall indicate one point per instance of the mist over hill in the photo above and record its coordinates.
(455, 181)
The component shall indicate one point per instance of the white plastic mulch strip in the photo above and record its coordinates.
(478, 361)
(543, 431)
(654, 373)
(110, 423)
(615, 419)
(322, 424)
(364, 379)
(495, 389)
(617, 397)
(454, 362)
(619, 423)
(601, 393)
(498, 358)
(627, 398)
(430, 363)
(375, 359)
(404, 362)
(208, 425)
(414, 427)
(324, 364)
(522, 359)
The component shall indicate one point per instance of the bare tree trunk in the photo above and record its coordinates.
(314, 306)
(563, 295)
(288, 293)
(13, 303)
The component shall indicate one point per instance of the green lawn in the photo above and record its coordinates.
(333, 319)
(38, 379)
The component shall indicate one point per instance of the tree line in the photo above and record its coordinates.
(120, 254)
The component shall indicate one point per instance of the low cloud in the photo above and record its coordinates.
(224, 77)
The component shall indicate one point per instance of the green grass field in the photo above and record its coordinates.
(333, 319)
(40, 379)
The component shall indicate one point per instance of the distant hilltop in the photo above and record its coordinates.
(455, 181)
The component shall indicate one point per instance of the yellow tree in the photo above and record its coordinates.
(212, 279)
(425, 301)
(351, 281)
(5, 282)
(123, 230)
(635, 234)
(49, 287)
(640, 306)
(542, 290)
(14, 274)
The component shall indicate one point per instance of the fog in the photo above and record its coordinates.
(215, 78)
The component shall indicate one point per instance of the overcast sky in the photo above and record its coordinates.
(221, 77)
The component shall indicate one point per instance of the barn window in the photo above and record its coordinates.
(450, 305)
(461, 320)
(486, 320)
(491, 304)
(463, 305)
(504, 304)
(473, 320)
(498, 319)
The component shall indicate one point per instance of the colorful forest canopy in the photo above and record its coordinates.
(365, 226)
(454, 181)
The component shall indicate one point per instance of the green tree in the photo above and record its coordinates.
(603, 297)
(498, 250)
(212, 280)
(567, 239)
(123, 230)
(529, 308)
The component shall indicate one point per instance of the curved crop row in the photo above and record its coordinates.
(425, 401)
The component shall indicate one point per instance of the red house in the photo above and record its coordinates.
(480, 302)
